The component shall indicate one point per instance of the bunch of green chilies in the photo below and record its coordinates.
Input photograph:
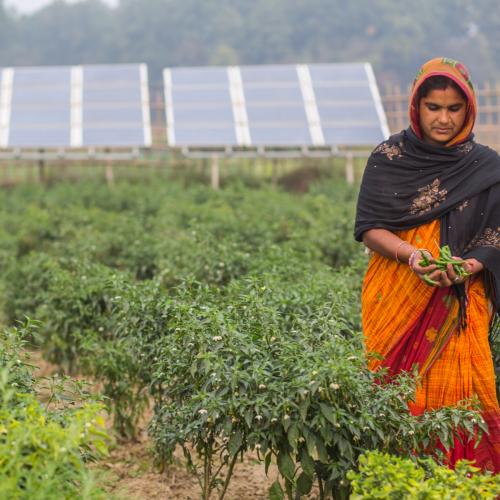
(445, 258)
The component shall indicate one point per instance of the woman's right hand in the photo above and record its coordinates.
(431, 270)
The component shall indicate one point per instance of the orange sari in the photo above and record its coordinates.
(393, 299)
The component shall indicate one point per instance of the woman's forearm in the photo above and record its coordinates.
(386, 243)
(389, 245)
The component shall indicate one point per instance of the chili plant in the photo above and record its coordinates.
(277, 367)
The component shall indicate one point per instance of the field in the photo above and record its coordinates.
(220, 328)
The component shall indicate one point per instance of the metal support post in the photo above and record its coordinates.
(349, 168)
(214, 172)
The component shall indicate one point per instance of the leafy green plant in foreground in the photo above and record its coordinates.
(43, 448)
(382, 476)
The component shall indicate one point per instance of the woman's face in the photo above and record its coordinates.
(442, 115)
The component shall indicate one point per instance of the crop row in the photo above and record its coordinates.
(236, 313)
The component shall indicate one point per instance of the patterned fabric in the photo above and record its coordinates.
(429, 197)
(403, 322)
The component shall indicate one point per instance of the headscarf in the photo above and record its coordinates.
(408, 182)
(456, 71)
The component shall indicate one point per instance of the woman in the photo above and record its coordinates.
(429, 186)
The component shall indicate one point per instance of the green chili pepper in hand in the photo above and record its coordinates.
(445, 258)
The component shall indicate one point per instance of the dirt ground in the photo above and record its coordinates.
(130, 474)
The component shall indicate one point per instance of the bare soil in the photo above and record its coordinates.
(132, 475)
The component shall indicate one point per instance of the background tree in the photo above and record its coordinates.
(393, 35)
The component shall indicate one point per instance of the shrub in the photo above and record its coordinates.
(382, 476)
(72, 299)
(43, 448)
(278, 366)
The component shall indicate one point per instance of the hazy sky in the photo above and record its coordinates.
(29, 6)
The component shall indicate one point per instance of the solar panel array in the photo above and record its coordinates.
(104, 106)
(74, 106)
(274, 106)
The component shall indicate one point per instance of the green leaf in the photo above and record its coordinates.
(293, 435)
(320, 448)
(328, 413)
(303, 408)
(267, 462)
(310, 441)
(285, 465)
(235, 443)
(307, 462)
(304, 484)
(276, 491)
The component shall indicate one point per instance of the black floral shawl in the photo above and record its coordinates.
(408, 182)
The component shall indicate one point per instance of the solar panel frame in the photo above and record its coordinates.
(5, 97)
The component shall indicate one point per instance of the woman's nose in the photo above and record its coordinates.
(444, 116)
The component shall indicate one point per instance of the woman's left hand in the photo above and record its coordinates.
(473, 266)
(449, 277)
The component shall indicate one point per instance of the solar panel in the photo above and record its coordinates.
(199, 96)
(74, 106)
(272, 94)
(349, 104)
(5, 97)
(352, 135)
(115, 106)
(205, 136)
(40, 107)
(343, 114)
(199, 77)
(199, 107)
(274, 105)
(269, 74)
(338, 72)
(281, 136)
(336, 92)
(278, 115)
